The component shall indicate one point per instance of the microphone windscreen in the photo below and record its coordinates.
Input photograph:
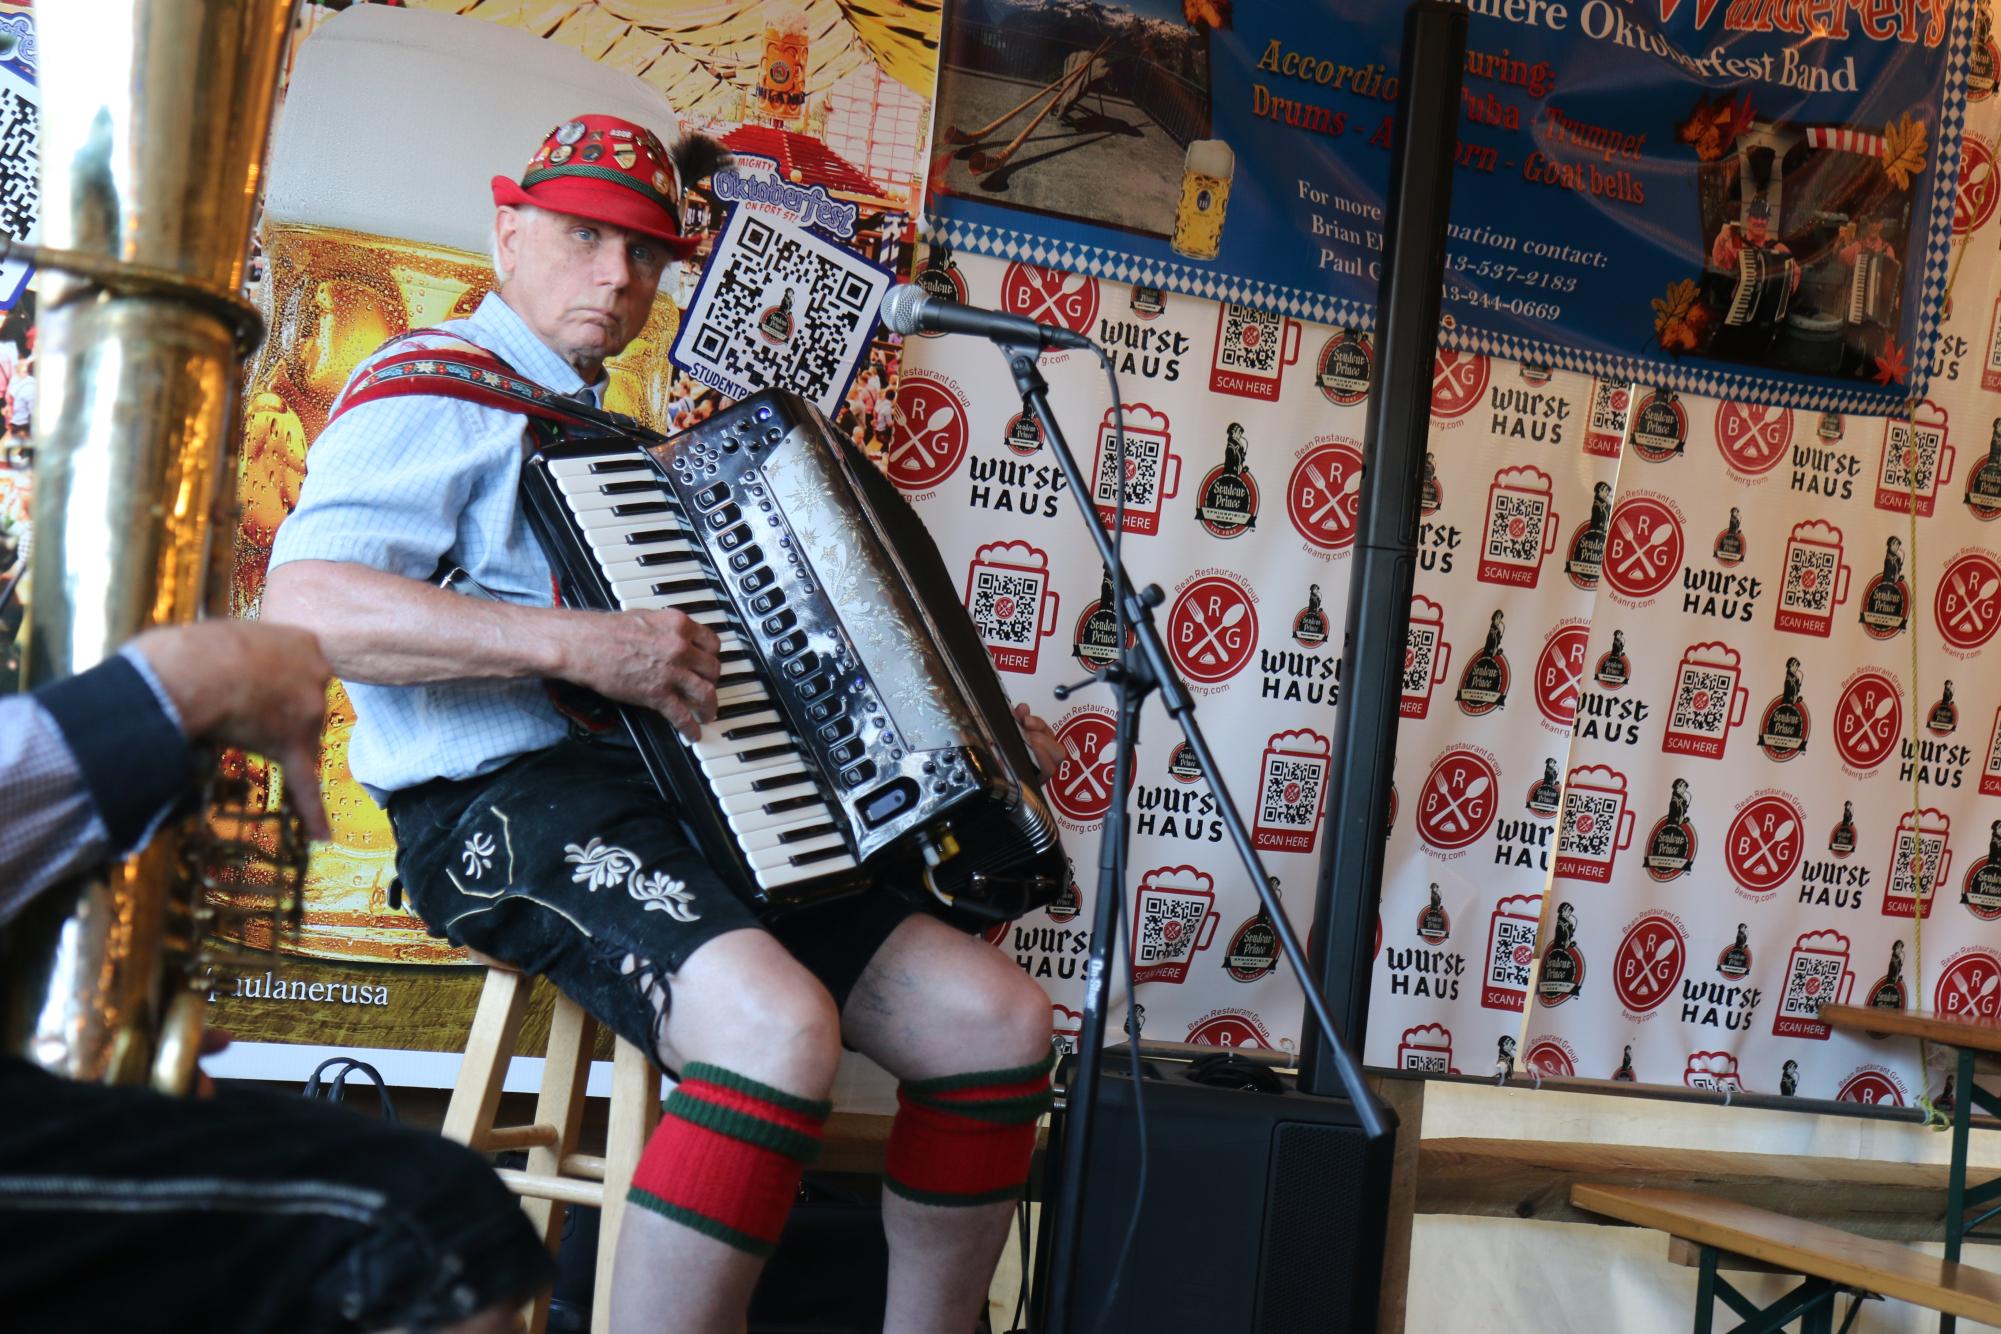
(903, 309)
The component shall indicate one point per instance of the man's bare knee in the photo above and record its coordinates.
(1016, 1012)
(742, 1002)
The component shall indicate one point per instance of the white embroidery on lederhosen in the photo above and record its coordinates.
(600, 864)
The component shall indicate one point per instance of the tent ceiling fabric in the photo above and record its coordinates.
(704, 56)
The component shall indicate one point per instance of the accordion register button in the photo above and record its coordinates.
(743, 560)
(724, 517)
(846, 752)
(858, 775)
(769, 600)
(824, 709)
(756, 579)
(837, 729)
(779, 624)
(802, 666)
(711, 496)
(791, 644)
(735, 537)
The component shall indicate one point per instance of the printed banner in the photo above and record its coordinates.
(1748, 201)
(1753, 806)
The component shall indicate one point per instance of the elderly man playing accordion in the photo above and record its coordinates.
(539, 843)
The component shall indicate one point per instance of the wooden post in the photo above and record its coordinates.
(496, 1028)
(1406, 1098)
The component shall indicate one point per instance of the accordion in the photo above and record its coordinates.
(862, 730)
(1873, 289)
(1764, 287)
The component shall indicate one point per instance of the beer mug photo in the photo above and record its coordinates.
(1205, 197)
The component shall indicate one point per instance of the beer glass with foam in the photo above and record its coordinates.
(1205, 197)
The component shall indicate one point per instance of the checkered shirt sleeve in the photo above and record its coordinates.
(386, 483)
(51, 822)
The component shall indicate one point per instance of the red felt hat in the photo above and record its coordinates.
(613, 171)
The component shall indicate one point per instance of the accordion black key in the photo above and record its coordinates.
(861, 729)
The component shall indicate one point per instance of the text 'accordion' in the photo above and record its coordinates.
(861, 729)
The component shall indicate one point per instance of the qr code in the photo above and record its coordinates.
(779, 307)
(1914, 856)
(1168, 926)
(1911, 457)
(1609, 407)
(1142, 470)
(1005, 606)
(1419, 646)
(1514, 529)
(1701, 701)
(1809, 579)
(20, 164)
(1589, 822)
(1810, 985)
(1433, 1062)
(1513, 951)
(1291, 794)
(1249, 341)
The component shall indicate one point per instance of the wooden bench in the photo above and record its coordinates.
(1833, 1261)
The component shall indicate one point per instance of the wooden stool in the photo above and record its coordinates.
(557, 1175)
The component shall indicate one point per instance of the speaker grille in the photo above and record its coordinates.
(1313, 1207)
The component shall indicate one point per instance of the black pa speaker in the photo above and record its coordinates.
(1264, 1211)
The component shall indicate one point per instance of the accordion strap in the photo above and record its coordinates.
(466, 371)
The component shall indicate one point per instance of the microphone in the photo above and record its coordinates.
(909, 309)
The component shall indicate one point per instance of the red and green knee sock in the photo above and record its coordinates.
(726, 1157)
(967, 1139)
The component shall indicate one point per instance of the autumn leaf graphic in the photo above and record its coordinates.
(1903, 150)
(1892, 365)
(1674, 321)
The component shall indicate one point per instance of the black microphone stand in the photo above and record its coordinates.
(1132, 678)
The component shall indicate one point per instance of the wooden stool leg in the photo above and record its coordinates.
(635, 1110)
(565, 1073)
(496, 1026)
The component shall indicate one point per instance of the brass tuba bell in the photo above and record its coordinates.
(155, 116)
